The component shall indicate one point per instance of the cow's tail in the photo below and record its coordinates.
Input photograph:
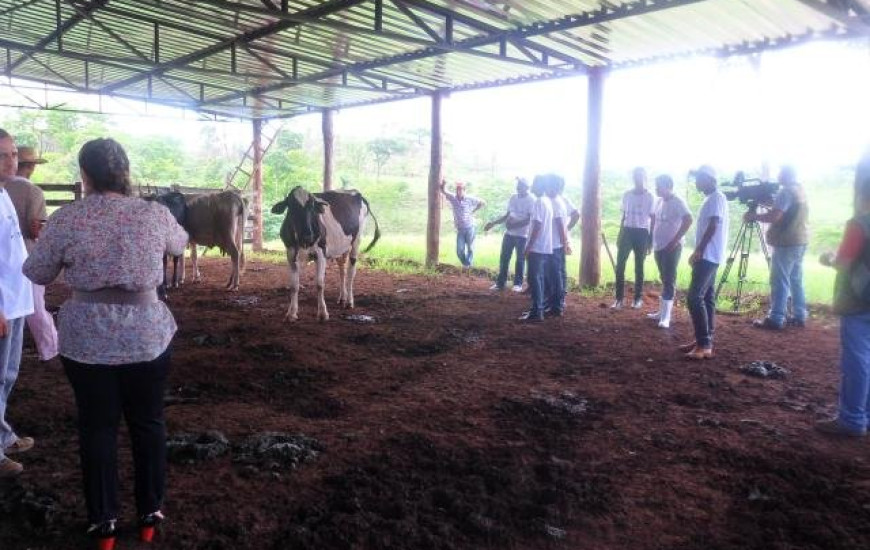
(377, 228)
(240, 232)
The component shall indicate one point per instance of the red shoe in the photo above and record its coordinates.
(148, 525)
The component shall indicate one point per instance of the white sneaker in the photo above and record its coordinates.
(616, 304)
(496, 287)
(637, 304)
(517, 288)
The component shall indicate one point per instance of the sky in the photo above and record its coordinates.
(809, 106)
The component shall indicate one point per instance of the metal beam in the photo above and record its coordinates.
(838, 14)
(325, 8)
(62, 28)
(596, 17)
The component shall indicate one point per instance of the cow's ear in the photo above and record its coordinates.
(280, 207)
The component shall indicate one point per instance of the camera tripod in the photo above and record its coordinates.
(743, 245)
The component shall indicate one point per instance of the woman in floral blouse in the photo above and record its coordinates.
(114, 332)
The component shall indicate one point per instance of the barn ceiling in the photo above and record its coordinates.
(280, 58)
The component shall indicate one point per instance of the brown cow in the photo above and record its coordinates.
(217, 219)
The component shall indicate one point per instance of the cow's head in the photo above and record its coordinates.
(301, 227)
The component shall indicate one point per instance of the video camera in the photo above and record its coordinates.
(757, 192)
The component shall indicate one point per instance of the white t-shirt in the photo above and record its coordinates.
(520, 208)
(543, 213)
(16, 297)
(637, 209)
(560, 215)
(669, 216)
(715, 206)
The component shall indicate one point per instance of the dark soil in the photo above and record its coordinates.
(443, 423)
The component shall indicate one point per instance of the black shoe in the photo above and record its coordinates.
(796, 323)
(767, 323)
(550, 312)
(531, 317)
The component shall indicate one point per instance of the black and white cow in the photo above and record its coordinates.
(327, 225)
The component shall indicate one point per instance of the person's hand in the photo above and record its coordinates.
(35, 228)
(749, 217)
(443, 183)
(488, 226)
(568, 250)
(526, 252)
(671, 246)
(693, 259)
(827, 259)
(4, 326)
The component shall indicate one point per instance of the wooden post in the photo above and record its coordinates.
(433, 226)
(590, 254)
(328, 149)
(257, 181)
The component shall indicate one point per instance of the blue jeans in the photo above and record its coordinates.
(855, 369)
(538, 266)
(787, 277)
(631, 240)
(667, 263)
(556, 282)
(702, 302)
(509, 244)
(10, 361)
(465, 246)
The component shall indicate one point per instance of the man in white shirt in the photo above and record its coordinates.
(671, 221)
(517, 221)
(711, 238)
(634, 237)
(539, 249)
(16, 303)
(557, 281)
(464, 207)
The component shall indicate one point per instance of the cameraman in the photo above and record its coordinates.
(788, 236)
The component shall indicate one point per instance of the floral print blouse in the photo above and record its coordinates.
(107, 241)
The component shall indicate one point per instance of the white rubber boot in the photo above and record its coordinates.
(656, 315)
(667, 308)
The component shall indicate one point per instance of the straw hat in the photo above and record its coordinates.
(27, 155)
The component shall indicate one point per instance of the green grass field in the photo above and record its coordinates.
(405, 253)
(400, 205)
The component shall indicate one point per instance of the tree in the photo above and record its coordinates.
(383, 149)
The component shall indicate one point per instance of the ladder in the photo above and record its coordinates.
(240, 178)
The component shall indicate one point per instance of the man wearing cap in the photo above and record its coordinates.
(29, 203)
(464, 207)
(711, 237)
(788, 235)
(517, 221)
(634, 236)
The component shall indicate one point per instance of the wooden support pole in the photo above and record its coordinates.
(257, 184)
(590, 254)
(328, 149)
(433, 226)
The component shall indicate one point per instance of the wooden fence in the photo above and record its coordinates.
(75, 193)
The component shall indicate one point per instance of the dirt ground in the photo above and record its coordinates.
(447, 424)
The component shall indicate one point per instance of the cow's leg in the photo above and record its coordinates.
(341, 261)
(351, 269)
(233, 252)
(295, 269)
(183, 261)
(322, 314)
(197, 276)
(176, 281)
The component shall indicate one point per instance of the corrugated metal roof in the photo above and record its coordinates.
(267, 58)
